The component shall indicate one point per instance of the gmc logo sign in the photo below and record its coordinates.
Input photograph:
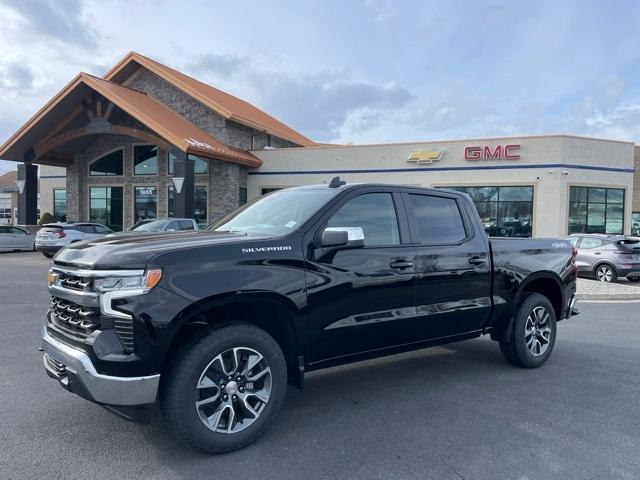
(499, 152)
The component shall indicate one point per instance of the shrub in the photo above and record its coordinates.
(46, 217)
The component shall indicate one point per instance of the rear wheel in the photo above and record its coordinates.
(634, 279)
(533, 334)
(606, 273)
(223, 390)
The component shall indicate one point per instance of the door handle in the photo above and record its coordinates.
(477, 261)
(598, 253)
(401, 264)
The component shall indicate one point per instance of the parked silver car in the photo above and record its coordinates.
(607, 257)
(54, 236)
(164, 225)
(15, 238)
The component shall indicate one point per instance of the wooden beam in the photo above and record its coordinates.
(107, 112)
(99, 108)
(88, 110)
(61, 125)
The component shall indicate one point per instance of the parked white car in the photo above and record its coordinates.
(55, 236)
(15, 238)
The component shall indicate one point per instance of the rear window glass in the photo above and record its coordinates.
(591, 243)
(439, 219)
(185, 225)
(85, 228)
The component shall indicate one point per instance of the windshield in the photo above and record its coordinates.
(155, 226)
(277, 213)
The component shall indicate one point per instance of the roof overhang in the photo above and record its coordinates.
(228, 106)
(39, 132)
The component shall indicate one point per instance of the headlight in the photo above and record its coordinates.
(139, 282)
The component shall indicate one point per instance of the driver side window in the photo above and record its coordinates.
(375, 213)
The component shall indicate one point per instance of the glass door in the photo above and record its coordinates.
(105, 206)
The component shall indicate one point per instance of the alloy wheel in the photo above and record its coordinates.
(537, 331)
(233, 390)
(604, 273)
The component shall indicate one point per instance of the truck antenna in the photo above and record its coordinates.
(336, 182)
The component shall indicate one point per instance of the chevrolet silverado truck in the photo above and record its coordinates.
(213, 325)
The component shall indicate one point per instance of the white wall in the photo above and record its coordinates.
(551, 183)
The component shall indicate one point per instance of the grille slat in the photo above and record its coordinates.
(75, 319)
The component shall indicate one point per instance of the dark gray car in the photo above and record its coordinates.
(607, 257)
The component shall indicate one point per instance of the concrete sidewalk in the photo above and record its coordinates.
(589, 289)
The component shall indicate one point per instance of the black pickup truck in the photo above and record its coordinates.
(215, 324)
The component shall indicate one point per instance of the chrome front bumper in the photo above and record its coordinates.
(75, 372)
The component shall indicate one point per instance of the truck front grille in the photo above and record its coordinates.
(73, 282)
(72, 318)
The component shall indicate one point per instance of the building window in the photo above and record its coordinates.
(60, 204)
(635, 223)
(110, 165)
(264, 191)
(199, 203)
(200, 165)
(145, 160)
(105, 206)
(596, 210)
(242, 196)
(504, 211)
(146, 203)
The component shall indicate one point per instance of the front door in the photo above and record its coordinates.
(454, 271)
(362, 299)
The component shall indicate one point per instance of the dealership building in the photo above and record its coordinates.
(146, 141)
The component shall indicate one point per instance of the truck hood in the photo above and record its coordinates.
(135, 251)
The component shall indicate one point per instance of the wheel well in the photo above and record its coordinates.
(269, 316)
(549, 288)
(604, 262)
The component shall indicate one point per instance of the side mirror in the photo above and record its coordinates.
(342, 237)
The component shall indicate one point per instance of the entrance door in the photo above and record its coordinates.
(362, 299)
(105, 206)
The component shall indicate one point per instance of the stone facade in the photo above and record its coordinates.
(230, 133)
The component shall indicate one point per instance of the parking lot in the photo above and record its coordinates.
(453, 412)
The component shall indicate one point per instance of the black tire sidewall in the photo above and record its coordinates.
(614, 275)
(525, 357)
(181, 397)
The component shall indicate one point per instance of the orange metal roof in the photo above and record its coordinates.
(223, 103)
(154, 115)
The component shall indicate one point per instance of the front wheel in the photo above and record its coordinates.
(533, 334)
(223, 390)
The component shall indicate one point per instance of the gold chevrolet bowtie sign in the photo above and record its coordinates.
(426, 157)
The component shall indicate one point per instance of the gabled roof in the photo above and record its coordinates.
(159, 118)
(221, 102)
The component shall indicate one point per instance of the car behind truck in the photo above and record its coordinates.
(214, 324)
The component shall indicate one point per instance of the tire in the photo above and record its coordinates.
(606, 273)
(520, 350)
(196, 374)
(48, 255)
(634, 279)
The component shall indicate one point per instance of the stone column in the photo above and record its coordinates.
(75, 177)
(28, 199)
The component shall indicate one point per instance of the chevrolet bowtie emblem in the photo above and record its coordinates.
(425, 157)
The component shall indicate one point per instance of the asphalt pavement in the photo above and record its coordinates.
(454, 412)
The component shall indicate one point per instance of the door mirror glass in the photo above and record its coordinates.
(343, 237)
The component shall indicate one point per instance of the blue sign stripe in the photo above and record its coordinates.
(442, 169)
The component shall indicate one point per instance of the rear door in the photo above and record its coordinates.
(362, 299)
(454, 271)
(589, 253)
(23, 240)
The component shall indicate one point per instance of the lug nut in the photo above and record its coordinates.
(241, 389)
(235, 397)
(225, 397)
(239, 379)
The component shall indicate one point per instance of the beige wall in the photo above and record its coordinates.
(551, 183)
(50, 178)
(636, 181)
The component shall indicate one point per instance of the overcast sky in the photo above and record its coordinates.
(352, 71)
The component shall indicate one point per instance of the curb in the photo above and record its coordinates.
(608, 296)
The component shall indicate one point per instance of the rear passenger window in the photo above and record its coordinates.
(590, 242)
(185, 225)
(172, 226)
(85, 228)
(439, 219)
(375, 213)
